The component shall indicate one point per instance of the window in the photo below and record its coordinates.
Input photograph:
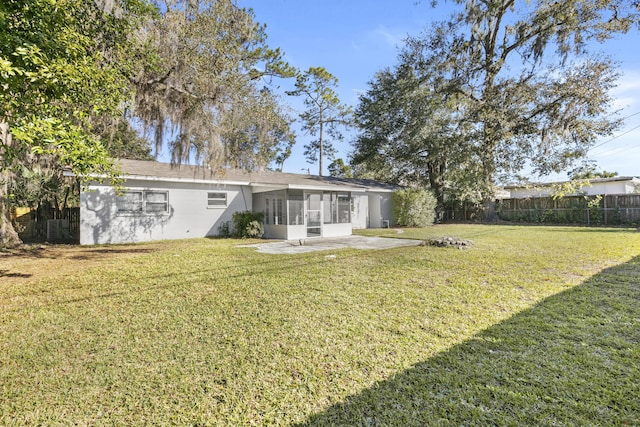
(274, 210)
(329, 204)
(130, 202)
(139, 202)
(278, 212)
(296, 207)
(344, 208)
(156, 202)
(337, 207)
(216, 200)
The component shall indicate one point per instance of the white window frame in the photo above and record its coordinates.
(120, 203)
(165, 202)
(275, 210)
(143, 194)
(217, 205)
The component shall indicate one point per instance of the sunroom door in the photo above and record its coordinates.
(313, 202)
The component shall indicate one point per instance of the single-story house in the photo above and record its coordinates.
(604, 186)
(163, 201)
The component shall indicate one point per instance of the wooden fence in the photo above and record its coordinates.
(32, 224)
(613, 209)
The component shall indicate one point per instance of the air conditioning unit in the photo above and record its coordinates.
(57, 229)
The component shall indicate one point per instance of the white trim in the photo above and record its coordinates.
(189, 180)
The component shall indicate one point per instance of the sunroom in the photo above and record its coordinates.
(298, 213)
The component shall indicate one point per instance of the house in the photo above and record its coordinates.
(603, 186)
(163, 201)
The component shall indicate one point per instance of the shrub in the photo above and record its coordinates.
(248, 224)
(414, 207)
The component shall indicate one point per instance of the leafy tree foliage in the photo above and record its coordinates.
(198, 88)
(408, 133)
(40, 183)
(340, 169)
(505, 85)
(121, 140)
(61, 65)
(324, 115)
(414, 207)
(589, 170)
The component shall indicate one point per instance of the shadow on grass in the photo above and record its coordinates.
(102, 252)
(7, 273)
(75, 252)
(573, 359)
(157, 282)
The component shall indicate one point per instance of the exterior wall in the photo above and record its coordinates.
(380, 208)
(618, 187)
(336, 230)
(295, 232)
(275, 232)
(611, 187)
(188, 216)
(360, 211)
(523, 193)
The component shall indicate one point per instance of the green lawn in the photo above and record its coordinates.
(531, 326)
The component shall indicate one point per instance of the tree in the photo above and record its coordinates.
(255, 138)
(62, 63)
(526, 92)
(339, 169)
(324, 114)
(588, 170)
(120, 139)
(536, 95)
(199, 88)
(407, 133)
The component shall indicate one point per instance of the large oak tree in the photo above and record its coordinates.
(516, 83)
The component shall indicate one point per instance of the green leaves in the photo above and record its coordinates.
(202, 70)
(324, 115)
(414, 207)
(499, 87)
(61, 66)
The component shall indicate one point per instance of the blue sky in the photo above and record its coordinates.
(353, 39)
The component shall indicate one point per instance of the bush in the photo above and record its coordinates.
(248, 224)
(414, 207)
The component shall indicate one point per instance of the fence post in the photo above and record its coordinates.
(588, 216)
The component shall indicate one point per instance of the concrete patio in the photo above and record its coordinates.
(334, 243)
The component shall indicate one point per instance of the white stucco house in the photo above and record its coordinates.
(163, 201)
(603, 186)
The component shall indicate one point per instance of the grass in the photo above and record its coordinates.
(532, 325)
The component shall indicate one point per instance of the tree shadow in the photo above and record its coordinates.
(8, 273)
(572, 359)
(107, 252)
(76, 252)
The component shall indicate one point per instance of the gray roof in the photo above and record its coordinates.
(156, 171)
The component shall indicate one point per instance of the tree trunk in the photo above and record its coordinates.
(320, 153)
(8, 235)
(436, 171)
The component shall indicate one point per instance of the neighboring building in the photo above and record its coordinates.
(604, 186)
(162, 201)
